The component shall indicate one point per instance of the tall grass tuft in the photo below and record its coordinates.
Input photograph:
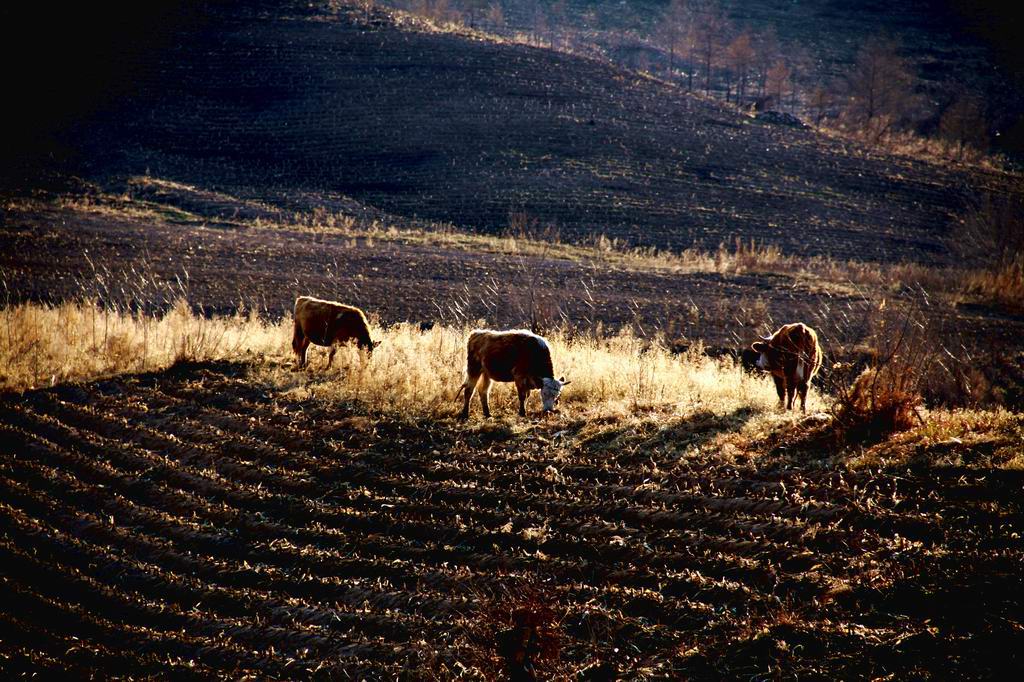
(43, 345)
(884, 398)
(1002, 284)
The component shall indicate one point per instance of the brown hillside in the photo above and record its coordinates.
(460, 129)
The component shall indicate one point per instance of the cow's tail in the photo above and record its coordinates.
(462, 388)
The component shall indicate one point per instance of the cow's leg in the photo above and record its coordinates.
(780, 388)
(790, 393)
(802, 388)
(523, 391)
(485, 390)
(468, 387)
(299, 344)
(330, 356)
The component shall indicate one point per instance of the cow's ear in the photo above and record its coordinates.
(376, 343)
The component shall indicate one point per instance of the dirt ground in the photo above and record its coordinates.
(192, 523)
(453, 129)
(198, 523)
(56, 253)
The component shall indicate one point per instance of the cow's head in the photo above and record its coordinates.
(550, 391)
(368, 345)
(769, 357)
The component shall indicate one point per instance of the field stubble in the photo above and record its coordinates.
(159, 241)
(205, 510)
(224, 518)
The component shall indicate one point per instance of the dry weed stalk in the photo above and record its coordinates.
(885, 397)
(999, 282)
(516, 633)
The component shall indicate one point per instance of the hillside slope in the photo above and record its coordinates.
(467, 131)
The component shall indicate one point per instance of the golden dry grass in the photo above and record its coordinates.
(416, 372)
(413, 372)
(627, 391)
(42, 345)
(1003, 284)
(981, 438)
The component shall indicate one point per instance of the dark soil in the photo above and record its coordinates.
(449, 128)
(189, 523)
(222, 264)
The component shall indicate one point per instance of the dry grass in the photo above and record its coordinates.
(881, 401)
(1003, 285)
(527, 237)
(629, 394)
(885, 396)
(45, 345)
(413, 372)
(960, 438)
(416, 372)
(627, 391)
(912, 145)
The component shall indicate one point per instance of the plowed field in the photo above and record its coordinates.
(193, 523)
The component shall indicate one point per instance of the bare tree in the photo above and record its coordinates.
(963, 123)
(473, 10)
(879, 88)
(436, 10)
(558, 17)
(801, 69)
(688, 51)
(991, 233)
(541, 26)
(495, 17)
(740, 55)
(559, 12)
(443, 10)
(778, 81)
(766, 51)
(821, 100)
(712, 27)
(672, 29)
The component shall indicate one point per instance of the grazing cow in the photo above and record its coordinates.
(516, 355)
(793, 356)
(327, 323)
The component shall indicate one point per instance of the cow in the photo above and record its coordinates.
(793, 357)
(328, 323)
(516, 355)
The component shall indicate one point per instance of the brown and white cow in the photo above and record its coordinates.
(517, 355)
(793, 357)
(327, 323)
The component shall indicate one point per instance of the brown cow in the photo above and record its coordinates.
(517, 355)
(327, 323)
(793, 356)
